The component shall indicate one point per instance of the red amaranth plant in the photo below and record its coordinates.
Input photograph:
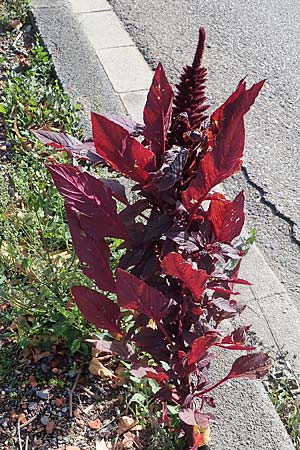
(181, 262)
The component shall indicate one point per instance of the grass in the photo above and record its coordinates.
(37, 262)
(284, 390)
(13, 9)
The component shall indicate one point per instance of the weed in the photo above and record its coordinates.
(37, 263)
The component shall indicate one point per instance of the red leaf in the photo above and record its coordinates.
(117, 189)
(97, 309)
(158, 110)
(235, 341)
(174, 264)
(92, 252)
(64, 141)
(124, 153)
(174, 161)
(155, 372)
(201, 345)
(226, 157)
(252, 366)
(88, 195)
(227, 217)
(135, 294)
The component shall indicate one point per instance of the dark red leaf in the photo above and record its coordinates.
(226, 157)
(89, 196)
(187, 416)
(93, 253)
(153, 342)
(134, 128)
(252, 366)
(235, 341)
(98, 309)
(117, 189)
(157, 373)
(64, 141)
(192, 417)
(174, 264)
(201, 345)
(227, 217)
(129, 214)
(224, 304)
(157, 111)
(135, 294)
(124, 153)
(174, 161)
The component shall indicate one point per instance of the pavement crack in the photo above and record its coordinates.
(272, 207)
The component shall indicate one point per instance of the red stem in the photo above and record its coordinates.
(214, 386)
(164, 332)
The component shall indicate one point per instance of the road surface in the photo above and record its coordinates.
(260, 39)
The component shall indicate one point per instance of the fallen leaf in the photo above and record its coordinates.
(22, 418)
(97, 368)
(127, 441)
(12, 24)
(101, 445)
(29, 428)
(38, 355)
(13, 416)
(72, 447)
(125, 423)
(120, 374)
(95, 424)
(32, 381)
(50, 427)
(59, 401)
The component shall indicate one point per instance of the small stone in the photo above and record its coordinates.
(44, 420)
(44, 394)
(32, 406)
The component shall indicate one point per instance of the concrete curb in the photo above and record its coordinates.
(97, 62)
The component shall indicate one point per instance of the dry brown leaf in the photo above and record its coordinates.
(50, 427)
(126, 423)
(59, 401)
(121, 378)
(32, 381)
(95, 424)
(22, 418)
(12, 24)
(97, 368)
(127, 441)
(13, 416)
(101, 445)
(37, 355)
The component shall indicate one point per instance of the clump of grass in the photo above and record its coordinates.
(284, 390)
(13, 9)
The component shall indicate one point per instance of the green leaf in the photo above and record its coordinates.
(75, 346)
(138, 398)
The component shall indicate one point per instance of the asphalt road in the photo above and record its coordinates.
(260, 39)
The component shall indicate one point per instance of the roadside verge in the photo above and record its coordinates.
(99, 65)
